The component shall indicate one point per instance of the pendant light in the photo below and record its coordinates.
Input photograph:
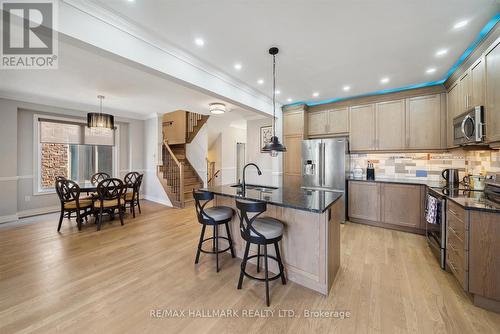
(274, 147)
(100, 120)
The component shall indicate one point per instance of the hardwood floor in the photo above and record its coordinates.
(109, 281)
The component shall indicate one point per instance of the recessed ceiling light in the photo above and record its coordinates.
(277, 91)
(315, 94)
(237, 66)
(460, 24)
(199, 42)
(384, 80)
(260, 81)
(441, 52)
(430, 70)
(289, 99)
(346, 88)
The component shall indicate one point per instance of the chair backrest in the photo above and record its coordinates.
(255, 209)
(110, 189)
(130, 179)
(67, 191)
(60, 178)
(98, 177)
(205, 197)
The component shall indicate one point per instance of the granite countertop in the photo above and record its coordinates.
(287, 196)
(428, 183)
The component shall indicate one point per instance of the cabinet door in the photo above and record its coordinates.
(464, 98)
(390, 123)
(492, 60)
(338, 121)
(362, 128)
(292, 157)
(452, 111)
(364, 200)
(402, 205)
(424, 122)
(293, 123)
(317, 123)
(477, 83)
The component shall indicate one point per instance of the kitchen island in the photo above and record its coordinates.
(310, 246)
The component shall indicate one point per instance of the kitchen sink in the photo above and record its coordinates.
(256, 187)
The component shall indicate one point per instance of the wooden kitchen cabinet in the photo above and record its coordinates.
(492, 63)
(293, 123)
(464, 92)
(401, 205)
(292, 157)
(451, 112)
(457, 255)
(390, 125)
(364, 200)
(477, 83)
(361, 128)
(317, 123)
(328, 122)
(425, 123)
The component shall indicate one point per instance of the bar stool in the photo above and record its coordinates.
(260, 231)
(213, 216)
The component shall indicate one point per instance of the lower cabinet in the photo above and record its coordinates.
(457, 252)
(391, 205)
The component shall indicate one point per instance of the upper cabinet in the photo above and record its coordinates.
(477, 83)
(492, 63)
(425, 122)
(453, 110)
(293, 123)
(362, 128)
(390, 125)
(328, 122)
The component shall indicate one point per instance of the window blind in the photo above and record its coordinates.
(61, 132)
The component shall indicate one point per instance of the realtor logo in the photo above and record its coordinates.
(29, 37)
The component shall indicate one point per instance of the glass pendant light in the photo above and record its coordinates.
(274, 147)
(100, 120)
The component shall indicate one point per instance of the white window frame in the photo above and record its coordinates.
(37, 190)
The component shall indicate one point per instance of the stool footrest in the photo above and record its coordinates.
(259, 278)
(214, 252)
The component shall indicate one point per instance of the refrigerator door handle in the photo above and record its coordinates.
(322, 163)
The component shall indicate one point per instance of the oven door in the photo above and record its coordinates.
(436, 232)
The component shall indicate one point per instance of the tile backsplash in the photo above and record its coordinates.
(428, 165)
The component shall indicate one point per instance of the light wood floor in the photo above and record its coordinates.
(109, 281)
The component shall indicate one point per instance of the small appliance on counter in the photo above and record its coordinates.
(357, 172)
(475, 182)
(370, 172)
(451, 177)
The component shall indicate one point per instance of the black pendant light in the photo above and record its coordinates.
(274, 146)
(100, 120)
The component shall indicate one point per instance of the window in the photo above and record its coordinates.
(72, 150)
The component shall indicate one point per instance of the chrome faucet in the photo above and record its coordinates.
(244, 169)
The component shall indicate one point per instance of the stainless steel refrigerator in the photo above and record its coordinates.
(325, 163)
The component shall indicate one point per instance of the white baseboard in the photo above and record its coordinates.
(8, 219)
(157, 200)
(40, 211)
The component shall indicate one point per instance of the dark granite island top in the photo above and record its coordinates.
(293, 197)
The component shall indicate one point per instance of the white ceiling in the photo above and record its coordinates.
(324, 45)
(130, 90)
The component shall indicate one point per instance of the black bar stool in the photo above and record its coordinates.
(260, 231)
(213, 216)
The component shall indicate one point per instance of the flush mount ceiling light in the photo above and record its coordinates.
(100, 120)
(274, 147)
(217, 108)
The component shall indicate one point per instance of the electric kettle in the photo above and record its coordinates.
(451, 177)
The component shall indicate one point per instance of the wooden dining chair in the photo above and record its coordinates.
(133, 181)
(69, 196)
(110, 198)
(98, 177)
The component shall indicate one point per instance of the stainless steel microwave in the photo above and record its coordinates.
(468, 128)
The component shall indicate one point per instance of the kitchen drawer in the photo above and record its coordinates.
(457, 211)
(457, 268)
(454, 244)
(456, 226)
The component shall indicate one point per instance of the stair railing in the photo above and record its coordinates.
(173, 173)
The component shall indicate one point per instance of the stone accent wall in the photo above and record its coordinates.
(429, 165)
(55, 162)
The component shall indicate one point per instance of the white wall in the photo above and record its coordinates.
(215, 154)
(153, 190)
(229, 138)
(270, 167)
(197, 153)
(16, 150)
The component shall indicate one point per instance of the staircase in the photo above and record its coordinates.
(176, 174)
